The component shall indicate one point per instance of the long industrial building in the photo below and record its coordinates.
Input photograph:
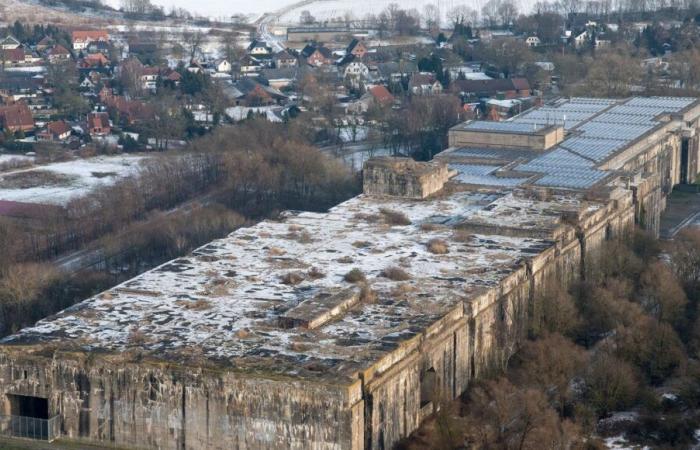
(345, 330)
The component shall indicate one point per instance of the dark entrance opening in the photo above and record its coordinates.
(428, 386)
(28, 406)
(684, 161)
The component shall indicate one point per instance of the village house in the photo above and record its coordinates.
(81, 39)
(259, 48)
(12, 56)
(250, 66)
(533, 41)
(393, 72)
(171, 77)
(317, 55)
(45, 43)
(424, 84)
(284, 59)
(9, 43)
(222, 66)
(356, 73)
(19, 85)
(505, 88)
(16, 117)
(356, 48)
(252, 93)
(98, 124)
(281, 78)
(149, 78)
(57, 53)
(55, 131)
(94, 61)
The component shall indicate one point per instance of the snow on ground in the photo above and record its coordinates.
(620, 443)
(323, 10)
(27, 69)
(8, 158)
(320, 9)
(220, 9)
(66, 180)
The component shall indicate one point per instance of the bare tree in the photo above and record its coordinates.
(508, 11)
(306, 18)
(431, 17)
(489, 13)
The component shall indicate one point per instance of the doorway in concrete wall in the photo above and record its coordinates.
(428, 386)
(684, 162)
(29, 418)
(28, 406)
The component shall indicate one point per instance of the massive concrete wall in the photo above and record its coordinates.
(149, 405)
(140, 405)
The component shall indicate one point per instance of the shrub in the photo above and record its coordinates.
(197, 305)
(367, 295)
(611, 384)
(394, 217)
(395, 274)
(292, 278)
(355, 276)
(437, 246)
(315, 273)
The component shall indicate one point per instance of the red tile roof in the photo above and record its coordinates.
(90, 35)
(16, 117)
(13, 55)
(58, 128)
(381, 94)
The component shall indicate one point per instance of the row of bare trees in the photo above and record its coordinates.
(612, 343)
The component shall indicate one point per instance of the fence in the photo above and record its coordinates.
(30, 427)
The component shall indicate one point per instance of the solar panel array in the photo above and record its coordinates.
(602, 128)
(562, 168)
(592, 148)
(483, 175)
(569, 114)
(505, 127)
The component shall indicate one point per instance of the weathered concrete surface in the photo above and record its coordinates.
(217, 351)
(404, 177)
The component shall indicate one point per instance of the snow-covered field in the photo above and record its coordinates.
(58, 183)
(320, 9)
(220, 9)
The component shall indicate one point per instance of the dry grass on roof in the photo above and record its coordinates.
(392, 217)
(438, 247)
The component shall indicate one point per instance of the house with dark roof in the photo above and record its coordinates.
(254, 93)
(356, 48)
(505, 88)
(9, 43)
(424, 83)
(393, 71)
(281, 78)
(259, 48)
(318, 55)
(284, 59)
(250, 66)
(45, 43)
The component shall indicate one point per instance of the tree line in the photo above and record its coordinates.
(614, 342)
